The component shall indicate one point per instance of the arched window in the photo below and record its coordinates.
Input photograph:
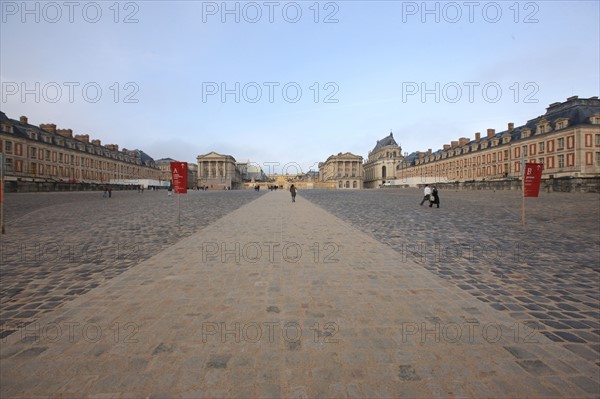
(383, 172)
(347, 184)
(340, 184)
(354, 185)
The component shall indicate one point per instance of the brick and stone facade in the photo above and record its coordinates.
(566, 139)
(43, 154)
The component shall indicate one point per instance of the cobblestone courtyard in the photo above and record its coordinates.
(60, 245)
(545, 274)
(367, 294)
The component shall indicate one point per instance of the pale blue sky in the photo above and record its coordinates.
(371, 57)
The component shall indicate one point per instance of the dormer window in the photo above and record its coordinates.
(562, 123)
(595, 119)
(505, 139)
(526, 132)
(543, 127)
(6, 128)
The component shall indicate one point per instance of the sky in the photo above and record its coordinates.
(289, 83)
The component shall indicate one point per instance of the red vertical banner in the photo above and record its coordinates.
(532, 179)
(179, 175)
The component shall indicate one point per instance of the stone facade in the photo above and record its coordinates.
(342, 171)
(164, 164)
(218, 172)
(45, 154)
(566, 139)
(383, 161)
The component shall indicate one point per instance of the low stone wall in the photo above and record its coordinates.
(561, 184)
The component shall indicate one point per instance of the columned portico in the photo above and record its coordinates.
(218, 172)
(343, 171)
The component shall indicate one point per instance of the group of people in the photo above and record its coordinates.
(431, 195)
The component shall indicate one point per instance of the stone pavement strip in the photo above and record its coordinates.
(281, 299)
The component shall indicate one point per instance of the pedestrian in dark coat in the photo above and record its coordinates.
(436, 197)
(293, 191)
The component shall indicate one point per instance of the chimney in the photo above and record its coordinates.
(429, 151)
(511, 127)
(96, 142)
(462, 141)
(68, 133)
(420, 154)
(48, 128)
(112, 147)
(454, 144)
(23, 120)
(124, 151)
(477, 136)
(491, 133)
(83, 137)
(446, 146)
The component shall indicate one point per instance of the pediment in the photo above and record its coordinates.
(213, 155)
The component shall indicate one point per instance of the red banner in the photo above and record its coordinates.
(533, 178)
(179, 174)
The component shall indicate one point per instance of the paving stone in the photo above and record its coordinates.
(536, 367)
(407, 373)
(218, 361)
(377, 322)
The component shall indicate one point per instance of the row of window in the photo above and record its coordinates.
(92, 149)
(45, 170)
(341, 184)
(8, 147)
(550, 162)
(541, 147)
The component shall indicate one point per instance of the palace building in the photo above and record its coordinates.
(46, 154)
(566, 139)
(218, 172)
(342, 171)
(383, 162)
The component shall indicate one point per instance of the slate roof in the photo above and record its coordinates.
(21, 129)
(576, 110)
(386, 141)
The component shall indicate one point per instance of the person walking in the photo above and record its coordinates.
(427, 193)
(436, 197)
(293, 191)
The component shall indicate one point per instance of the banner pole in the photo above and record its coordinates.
(179, 210)
(523, 189)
